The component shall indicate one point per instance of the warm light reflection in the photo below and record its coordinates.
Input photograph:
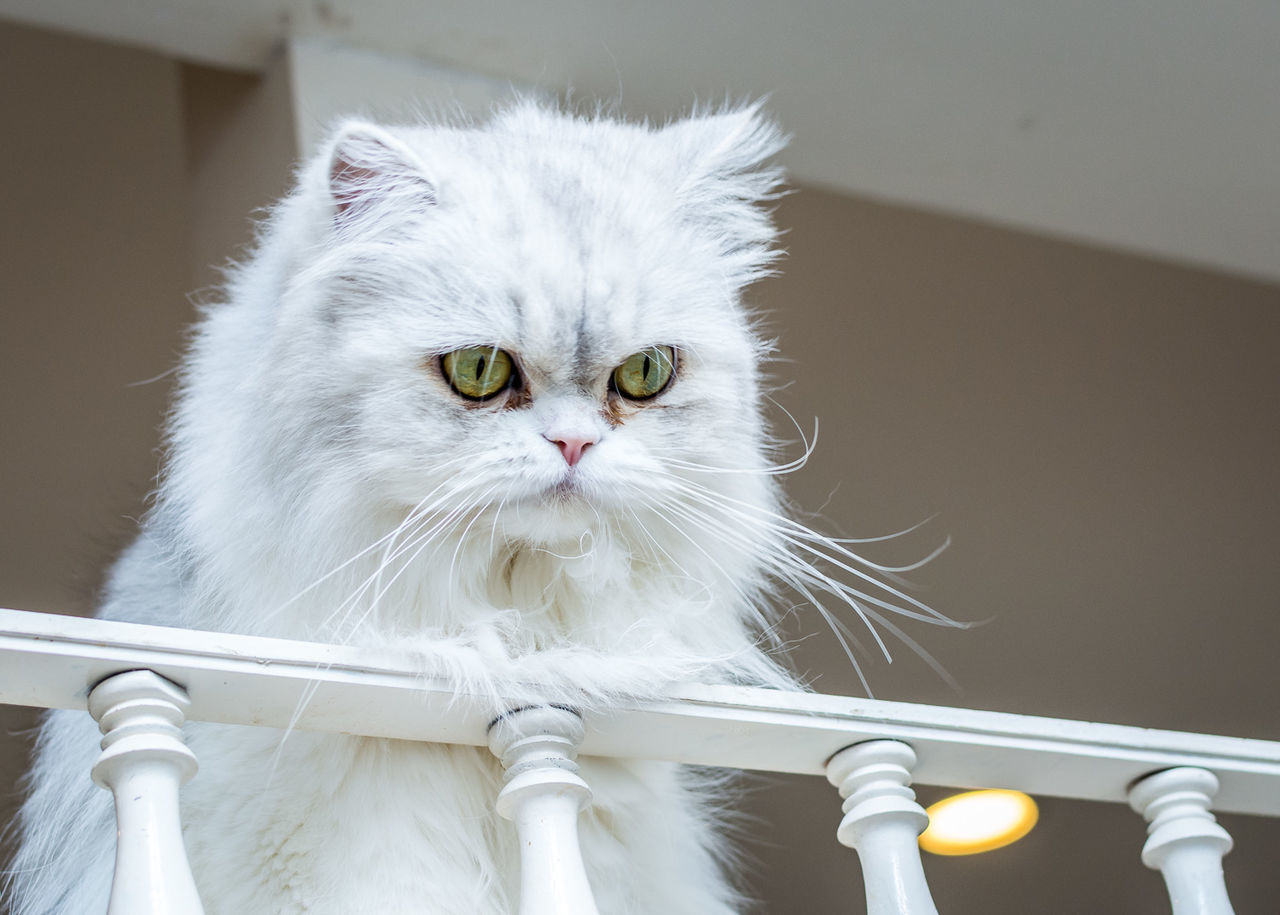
(976, 821)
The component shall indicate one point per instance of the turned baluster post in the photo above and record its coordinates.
(543, 795)
(144, 762)
(1184, 841)
(883, 822)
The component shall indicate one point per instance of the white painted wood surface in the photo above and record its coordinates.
(543, 795)
(1184, 842)
(51, 661)
(882, 822)
(144, 762)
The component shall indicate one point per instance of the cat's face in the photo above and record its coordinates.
(524, 337)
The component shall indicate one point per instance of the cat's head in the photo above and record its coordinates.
(526, 331)
(542, 314)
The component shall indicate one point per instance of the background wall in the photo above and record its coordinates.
(93, 230)
(1096, 431)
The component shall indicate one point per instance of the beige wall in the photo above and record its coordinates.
(1097, 432)
(1100, 434)
(94, 241)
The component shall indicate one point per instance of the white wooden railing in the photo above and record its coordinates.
(142, 682)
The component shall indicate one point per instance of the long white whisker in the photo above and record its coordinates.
(417, 543)
(741, 523)
(653, 541)
(883, 537)
(919, 650)
(374, 545)
(417, 519)
(478, 512)
(798, 575)
(747, 601)
(788, 565)
(809, 444)
(802, 538)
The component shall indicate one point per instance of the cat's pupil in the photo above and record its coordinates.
(480, 367)
(644, 373)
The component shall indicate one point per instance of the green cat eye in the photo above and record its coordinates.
(645, 373)
(478, 372)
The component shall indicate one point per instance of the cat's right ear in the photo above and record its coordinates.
(370, 171)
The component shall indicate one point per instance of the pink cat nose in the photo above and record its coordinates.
(571, 446)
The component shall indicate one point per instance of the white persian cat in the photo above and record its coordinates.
(488, 394)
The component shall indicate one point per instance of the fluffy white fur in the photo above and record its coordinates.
(323, 482)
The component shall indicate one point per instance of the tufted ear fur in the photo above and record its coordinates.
(369, 168)
(731, 145)
(725, 178)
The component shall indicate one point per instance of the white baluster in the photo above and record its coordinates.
(543, 795)
(1184, 842)
(883, 822)
(144, 761)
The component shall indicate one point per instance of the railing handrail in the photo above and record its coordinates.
(52, 661)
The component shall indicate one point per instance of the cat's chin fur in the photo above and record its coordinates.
(323, 483)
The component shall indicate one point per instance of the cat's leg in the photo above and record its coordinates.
(327, 824)
(652, 840)
(66, 858)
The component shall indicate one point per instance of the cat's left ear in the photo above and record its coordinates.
(369, 167)
(725, 179)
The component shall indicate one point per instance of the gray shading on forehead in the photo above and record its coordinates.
(516, 300)
(571, 344)
(586, 279)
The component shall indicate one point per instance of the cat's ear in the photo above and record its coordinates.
(369, 168)
(725, 182)
(731, 146)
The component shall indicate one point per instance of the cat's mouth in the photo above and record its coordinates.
(567, 489)
(574, 494)
(561, 512)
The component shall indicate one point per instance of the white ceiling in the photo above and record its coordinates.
(1148, 126)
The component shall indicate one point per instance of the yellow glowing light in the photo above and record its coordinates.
(976, 821)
